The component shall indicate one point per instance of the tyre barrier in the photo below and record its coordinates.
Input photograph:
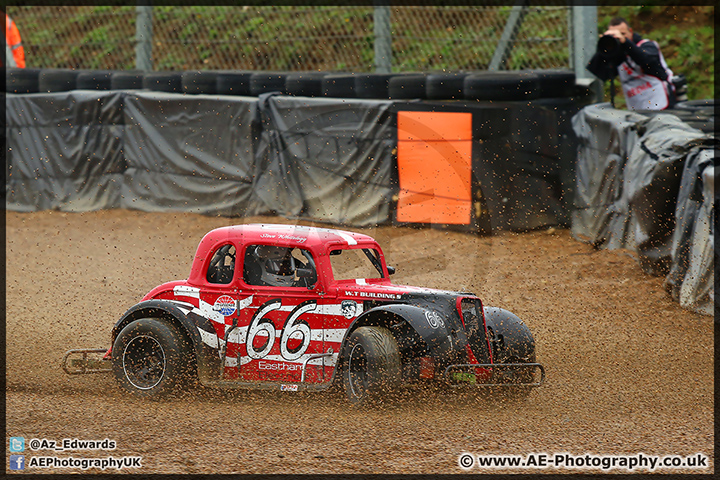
(501, 86)
(339, 85)
(233, 82)
(163, 81)
(201, 81)
(693, 105)
(445, 86)
(407, 86)
(22, 80)
(304, 84)
(266, 82)
(555, 83)
(480, 86)
(94, 80)
(698, 116)
(57, 80)
(373, 85)
(126, 80)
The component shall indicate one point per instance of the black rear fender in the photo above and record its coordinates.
(206, 356)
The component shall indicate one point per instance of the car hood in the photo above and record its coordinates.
(441, 300)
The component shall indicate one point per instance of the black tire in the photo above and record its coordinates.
(371, 365)
(693, 105)
(373, 85)
(407, 86)
(126, 80)
(266, 82)
(501, 86)
(445, 86)
(94, 80)
(339, 85)
(304, 84)
(233, 83)
(152, 359)
(163, 81)
(555, 83)
(57, 80)
(22, 80)
(201, 81)
(704, 124)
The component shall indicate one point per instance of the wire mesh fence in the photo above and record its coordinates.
(297, 38)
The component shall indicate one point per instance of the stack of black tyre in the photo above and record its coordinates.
(493, 86)
(698, 114)
(524, 85)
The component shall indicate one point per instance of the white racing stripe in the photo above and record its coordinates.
(186, 291)
(208, 338)
(350, 240)
(329, 361)
(330, 335)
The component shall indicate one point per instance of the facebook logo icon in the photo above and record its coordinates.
(17, 462)
(17, 444)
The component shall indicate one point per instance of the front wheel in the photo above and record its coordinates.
(372, 365)
(150, 358)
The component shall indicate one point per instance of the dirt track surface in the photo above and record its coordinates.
(628, 370)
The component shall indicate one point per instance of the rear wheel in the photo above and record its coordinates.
(372, 365)
(151, 358)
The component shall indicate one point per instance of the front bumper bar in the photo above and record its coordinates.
(499, 373)
(79, 362)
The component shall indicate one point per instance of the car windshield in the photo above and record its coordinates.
(355, 263)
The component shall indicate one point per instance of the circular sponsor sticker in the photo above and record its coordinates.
(225, 305)
(348, 308)
(434, 319)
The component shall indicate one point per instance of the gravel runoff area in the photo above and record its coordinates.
(628, 370)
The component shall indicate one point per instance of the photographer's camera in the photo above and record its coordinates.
(608, 47)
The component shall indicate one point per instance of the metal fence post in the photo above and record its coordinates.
(584, 36)
(507, 39)
(143, 38)
(383, 38)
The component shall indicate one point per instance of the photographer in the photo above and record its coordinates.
(645, 77)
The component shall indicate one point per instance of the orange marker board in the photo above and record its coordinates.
(434, 167)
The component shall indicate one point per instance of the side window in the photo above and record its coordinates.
(270, 265)
(222, 265)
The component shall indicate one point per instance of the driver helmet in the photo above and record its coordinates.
(277, 265)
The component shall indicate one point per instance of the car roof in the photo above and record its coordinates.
(312, 238)
(287, 235)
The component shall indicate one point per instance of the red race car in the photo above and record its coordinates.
(302, 308)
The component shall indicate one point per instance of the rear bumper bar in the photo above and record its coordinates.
(498, 376)
(82, 361)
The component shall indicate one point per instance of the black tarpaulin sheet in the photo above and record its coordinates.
(691, 279)
(652, 180)
(190, 153)
(515, 165)
(328, 159)
(605, 138)
(64, 151)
